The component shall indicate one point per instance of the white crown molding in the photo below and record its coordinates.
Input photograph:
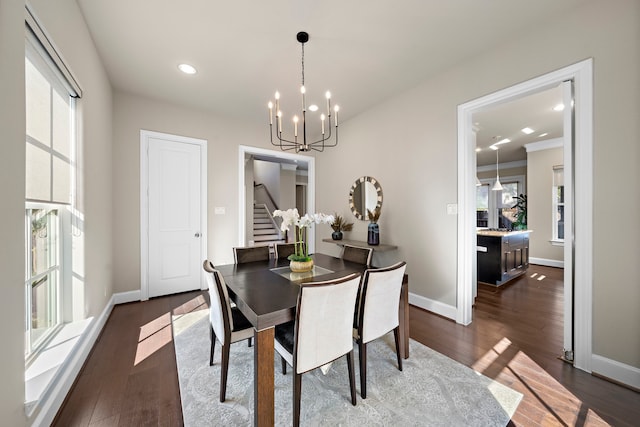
(544, 145)
(508, 165)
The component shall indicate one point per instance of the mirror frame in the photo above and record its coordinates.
(378, 188)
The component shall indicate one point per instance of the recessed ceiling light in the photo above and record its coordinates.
(187, 69)
(558, 107)
(493, 147)
(543, 134)
(503, 141)
(478, 149)
(313, 107)
(528, 131)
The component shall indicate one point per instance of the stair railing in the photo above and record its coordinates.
(262, 197)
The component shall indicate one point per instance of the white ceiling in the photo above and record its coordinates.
(364, 52)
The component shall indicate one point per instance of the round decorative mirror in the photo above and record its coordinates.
(365, 193)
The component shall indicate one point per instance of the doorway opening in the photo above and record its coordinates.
(301, 196)
(578, 233)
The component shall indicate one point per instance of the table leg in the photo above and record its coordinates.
(404, 318)
(263, 377)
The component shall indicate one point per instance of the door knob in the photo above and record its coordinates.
(197, 235)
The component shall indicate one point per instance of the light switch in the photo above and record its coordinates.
(219, 210)
(452, 209)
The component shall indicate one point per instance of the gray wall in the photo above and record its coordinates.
(408, 142)
(539, 203)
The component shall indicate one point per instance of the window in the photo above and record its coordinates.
(558, 204)
(495, 209)
(42, 275)
(49, 145)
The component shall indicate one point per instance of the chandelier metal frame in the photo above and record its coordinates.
(300, 143)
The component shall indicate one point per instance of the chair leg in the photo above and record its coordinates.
(284, 365)
(352, 377)
(249, 343)
(297, 391)
(212, 335)
(396, 335)
(362, 347)
(224, 370)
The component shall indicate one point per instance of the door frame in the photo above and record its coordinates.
(243, 151)
(145, 135)
(581, 241)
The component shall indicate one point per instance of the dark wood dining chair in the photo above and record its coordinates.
(283, 250)
(377, 313)
(250, 254)
(357, 254)
(321, 332)
(228, 324)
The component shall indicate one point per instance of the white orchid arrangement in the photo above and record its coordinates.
(292, 217)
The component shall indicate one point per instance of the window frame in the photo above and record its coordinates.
(495, 202)
(41, 59)
(555, 204)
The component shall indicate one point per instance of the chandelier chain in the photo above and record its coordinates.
(302, 64)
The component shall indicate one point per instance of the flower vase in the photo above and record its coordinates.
(336, 235)
(373, 234)
(301, 266)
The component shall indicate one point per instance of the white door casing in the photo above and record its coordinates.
(173, 213)
(581, 74)
(243, 152)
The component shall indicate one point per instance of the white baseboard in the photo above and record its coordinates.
(125, 297)
(546, 262)
(608, 368)
(434, 306)
(53, 397)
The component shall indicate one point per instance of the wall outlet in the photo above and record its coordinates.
(452, 209)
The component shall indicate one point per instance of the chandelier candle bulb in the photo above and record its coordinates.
(295, 126)
(336, 109)
(270, 113)
(322, 120)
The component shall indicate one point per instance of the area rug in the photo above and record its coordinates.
(432, 390)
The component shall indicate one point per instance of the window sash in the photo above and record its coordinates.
(557, 204)
(44, 308)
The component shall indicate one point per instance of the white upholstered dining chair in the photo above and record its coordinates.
(321, 332)
(377, 313)
(228, 324)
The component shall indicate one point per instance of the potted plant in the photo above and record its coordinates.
(521, 213)
(339, 225)
(301, 261)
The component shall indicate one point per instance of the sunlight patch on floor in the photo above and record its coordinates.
(158, 333)
(553, 403)
(153, 336)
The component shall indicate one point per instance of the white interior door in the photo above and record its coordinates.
(175, 220)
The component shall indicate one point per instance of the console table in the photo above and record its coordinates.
(380, 248)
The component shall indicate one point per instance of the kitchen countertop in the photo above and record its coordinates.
(500, 233)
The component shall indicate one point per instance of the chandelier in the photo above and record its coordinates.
(299, 140)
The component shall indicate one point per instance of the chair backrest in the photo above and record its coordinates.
(250, 254)
(379, 301)
(220, 308)
(357, 254)
(283, 250)
(324, 318)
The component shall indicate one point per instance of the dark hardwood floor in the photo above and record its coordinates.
(130, 378)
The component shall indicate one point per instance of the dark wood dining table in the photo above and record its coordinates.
(266, 292)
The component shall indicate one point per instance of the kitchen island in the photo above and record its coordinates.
(502, 255)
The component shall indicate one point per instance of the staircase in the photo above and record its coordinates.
(264, 230)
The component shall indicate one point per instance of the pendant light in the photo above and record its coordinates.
(497, 186)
